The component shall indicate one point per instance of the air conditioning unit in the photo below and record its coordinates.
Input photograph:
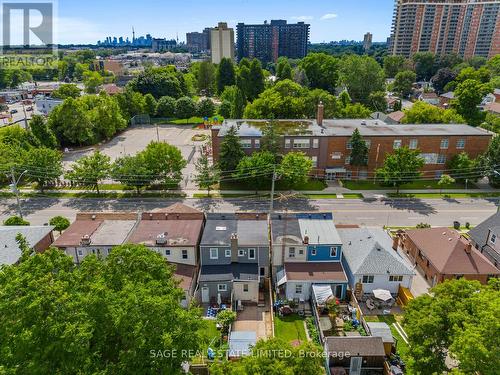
(161, 239)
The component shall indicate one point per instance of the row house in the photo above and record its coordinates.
(327, 142)
(486, 238)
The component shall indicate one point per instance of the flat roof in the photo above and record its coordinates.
(112, 232)
(319, 231)
(315, 271)
(72, 236)
(185, 274)
(10, 253)
(176, 232)
(356, 346)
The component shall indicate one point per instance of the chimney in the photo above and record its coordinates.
(306, 240)
(234, 247)
(468, 248)
(321, 114)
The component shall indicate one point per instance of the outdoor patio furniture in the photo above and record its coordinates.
(370, 304)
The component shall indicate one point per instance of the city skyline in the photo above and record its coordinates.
(80, 23)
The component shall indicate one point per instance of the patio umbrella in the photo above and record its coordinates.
(382, 294)
(219, 299)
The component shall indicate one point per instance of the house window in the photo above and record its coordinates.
(313, 251)
(241, 253)
(397, 144)
(493, 238)
(262, 271)
(444, 144)
(184, 254)
(461, 144)
(287, 143)
(298, 289)
(333, 252)
(301, 251)
(291, 252)
(314, 160)
(441, 159)
(245, 287)
(222, 287)
(301, 143)
(315, 143)
(246, 143)
(80, 252)
(214, 253)
(228, 253)
(396, 278)
(251, 253)
(167, 252)
(413, 144)
(367, 279)
(256, 143)
(347, 160)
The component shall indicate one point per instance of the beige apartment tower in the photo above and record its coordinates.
(465, 27)
(222, 42)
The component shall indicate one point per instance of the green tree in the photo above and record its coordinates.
(225, 109)
(445, 180)
(18, 76)
(185, 108)
(256, 170)
(424, 65)
(15, 221)
(160, 81)
(321, 70)
(424, 113)
(377, 101)
(225, 318)
(283, 69)
(359, 150)
(403, 83)
(462, 168)
(92, 81)
(66, 91)
(469, 94)
(205, 108)
(150, 104)
(44, 165)
(256, 79)
(442, 78)
(295, 168)
(104, 316)
(90, 170)
(243, 81)
(206, 78)
(165, 162)
(225, 74)
(70, 123)
(490, 161)
(271, 139)
(401, 167)
(105, 115)
(207, 175)
(231, 152)
(491, 123)
(41, 131)
(238, 104)
(362, 75)
(393, 64)
(165, 107)
(132, 171)
(59, 223)
(357, 110)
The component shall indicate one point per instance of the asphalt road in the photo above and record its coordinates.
(396, 212)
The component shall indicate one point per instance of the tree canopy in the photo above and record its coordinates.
(401, 167)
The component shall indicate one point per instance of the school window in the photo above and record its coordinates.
(298, 289)
(245, 287)
(251, 253)
(441, 159)
(246, 143)
(256, 143)
(167, 252)
(349, 146)
(397, 144)
(214, 253)
(413, 144)
(287, 143)
(333, 252)
(228, 253)
(184, 254)
(301, 143)
(241, 253)
(315, 143)
(461, 144)
(222, 287)
(368, 144)
(291, 252)
(347, 160)
(444, 144)
(336, 155)
(396, 278)
(314, 160)
(367, 279)
(313, 251)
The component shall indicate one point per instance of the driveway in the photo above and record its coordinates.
(419, 285)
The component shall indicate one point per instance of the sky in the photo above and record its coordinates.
(91, 20)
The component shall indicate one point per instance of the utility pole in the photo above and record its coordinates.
(15, 190)
(271, 208)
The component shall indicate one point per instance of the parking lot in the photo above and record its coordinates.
(135, 139)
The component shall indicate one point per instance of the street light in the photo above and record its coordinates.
(15, 190)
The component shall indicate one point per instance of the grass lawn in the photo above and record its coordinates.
(211, 337)
(333, 196)
(92, 195)
(420, 185)
(445, 195)
(311, 185)
(195, 120)
(290, 328)
(402, 347)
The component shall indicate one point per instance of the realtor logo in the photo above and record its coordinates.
(27, 24)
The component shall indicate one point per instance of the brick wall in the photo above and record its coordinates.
(44, 243)
(106, 216)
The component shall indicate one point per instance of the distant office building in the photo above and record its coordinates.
(269, 41)
(221, 42)
(466, 27)
(198, 42)
(161, 45)
(367, 41)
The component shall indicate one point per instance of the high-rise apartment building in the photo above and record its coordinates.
(198, 42)
(367, 41)
(466, 27)
(221, 42)
(268, 41)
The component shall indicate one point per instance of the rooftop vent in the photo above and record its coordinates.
(93, 217)
(161, 239)
(85, 241)
(150, 216)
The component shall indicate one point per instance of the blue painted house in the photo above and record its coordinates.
(307, 251)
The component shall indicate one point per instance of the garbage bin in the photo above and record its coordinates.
(456, 225)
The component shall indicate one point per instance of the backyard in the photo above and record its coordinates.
(402, 347)
(290, 328)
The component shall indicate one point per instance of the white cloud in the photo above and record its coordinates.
(329, 16)
(303, 18)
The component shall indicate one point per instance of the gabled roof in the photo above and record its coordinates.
(448, 95)
(480, 233)
(369, 251)
(72, 236)
(9, 248)
(446, 250)
(396, 116)
(493, 107)
(357, 346)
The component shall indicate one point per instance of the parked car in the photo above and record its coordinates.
(12, 111)
(29, 109)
